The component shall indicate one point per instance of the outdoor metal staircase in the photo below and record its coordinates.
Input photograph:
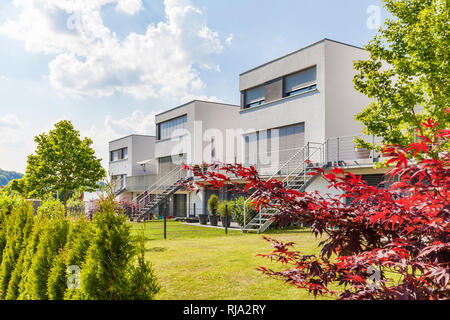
(119, 186)
(160, 191)
(294, 175)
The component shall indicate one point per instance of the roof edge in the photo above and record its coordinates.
(296, 51)
(193, 101)
(133, 135)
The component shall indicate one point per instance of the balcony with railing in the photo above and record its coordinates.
(133, 183)
(344, 151)
(340, 151)
(140, 183)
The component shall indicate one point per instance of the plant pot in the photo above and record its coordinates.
(213, 220)
(203, 219)
(226, 221)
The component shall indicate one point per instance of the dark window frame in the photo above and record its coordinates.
(304, 89)
(120, 154)
(159, 126)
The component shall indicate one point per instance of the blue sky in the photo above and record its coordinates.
(110, 65)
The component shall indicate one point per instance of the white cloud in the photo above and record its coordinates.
(229, 39)
(17, 136)
(16, 142)
(137, 123)
(130, 7)
(11, 128)
(91, 60)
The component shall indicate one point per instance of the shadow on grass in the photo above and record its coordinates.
(156, 249)
(288, 231)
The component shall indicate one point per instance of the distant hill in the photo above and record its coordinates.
(7, 176)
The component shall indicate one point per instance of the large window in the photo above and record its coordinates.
(167, 128)
(254, 97)
(300, 82)
(288, 140)
(119, 154)
(167, 164)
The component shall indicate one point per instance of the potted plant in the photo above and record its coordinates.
(203, 218)
(225, 209)
(213, 204)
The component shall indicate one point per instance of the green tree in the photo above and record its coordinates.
(407, 73)
(63, 162)
(19, 186)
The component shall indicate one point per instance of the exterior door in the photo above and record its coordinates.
(180, 205)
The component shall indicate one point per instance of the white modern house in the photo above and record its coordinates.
(192, 133)
(297, 112)
(132, 164)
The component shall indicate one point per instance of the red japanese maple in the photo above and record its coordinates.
(388, 243)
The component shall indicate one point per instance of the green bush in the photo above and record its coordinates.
(17, 227)
(36, 251)
(109, 272)
(143, 284)
(51, 208)
(8, 202)
(238, 211)
(225, 207)
(53, 237)
(75, 206)
(213, 204)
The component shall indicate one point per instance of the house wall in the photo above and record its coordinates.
(165, 148)
(328, 112)
(308, 107)
(219, 121)
(202, 116)
(320, 185)
(140, 148)
(121, 166)
(143, 148)
(342, 101)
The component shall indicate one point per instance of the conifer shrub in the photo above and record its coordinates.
(37, 251)
(213, 204)
(17, 227)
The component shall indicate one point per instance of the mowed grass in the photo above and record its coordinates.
(197, 263)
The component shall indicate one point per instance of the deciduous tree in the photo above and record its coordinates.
(398, 236)
(63, 161)
(407, 72)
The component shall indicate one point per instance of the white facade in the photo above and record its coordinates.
(328, 110)
(139, 148)
(205, 130)
(308, 95)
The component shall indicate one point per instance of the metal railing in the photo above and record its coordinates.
(291, 169)
(118, 184)
(166, 181)
(344, 150)
(274, 163)
(140, 183)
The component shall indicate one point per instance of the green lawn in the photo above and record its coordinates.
(196, 263)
